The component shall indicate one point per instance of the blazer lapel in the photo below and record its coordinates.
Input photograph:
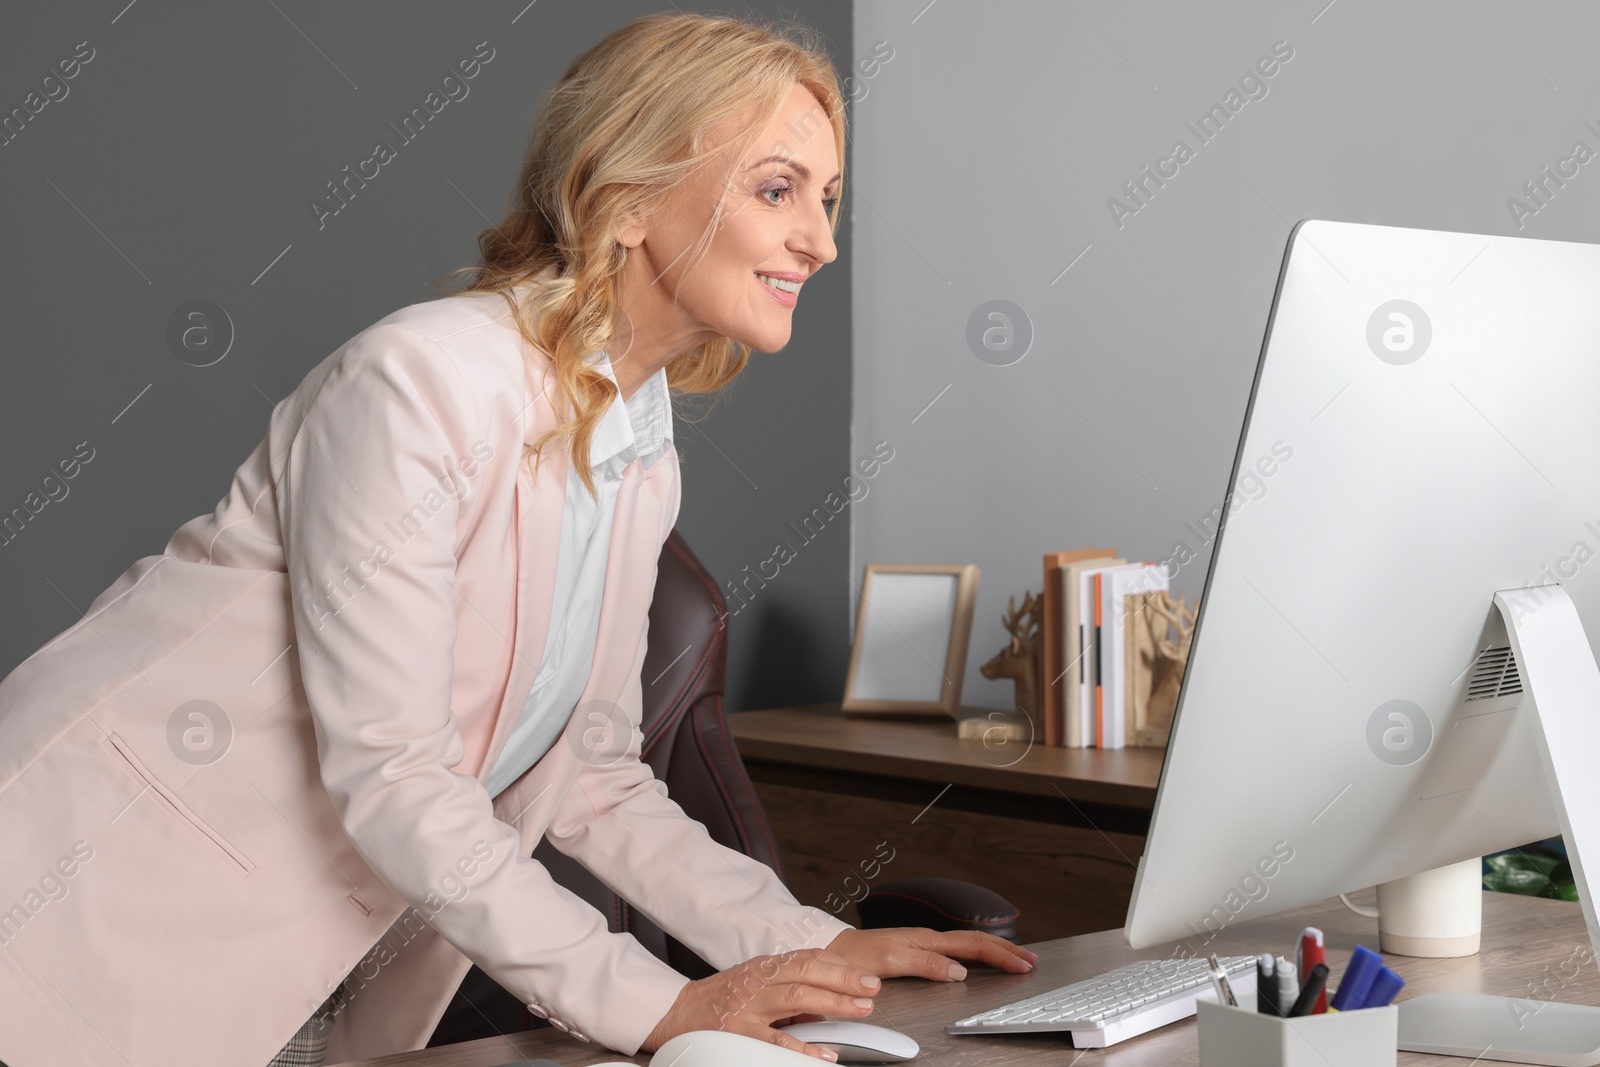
(539, 510)
(538, 524)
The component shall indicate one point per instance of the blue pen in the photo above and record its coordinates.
(1384, 988)
(1357, 981)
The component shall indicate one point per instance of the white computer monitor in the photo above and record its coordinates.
(1423, 433)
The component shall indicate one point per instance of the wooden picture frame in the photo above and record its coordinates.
(909, 652)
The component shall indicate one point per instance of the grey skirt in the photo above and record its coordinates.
(309, 1046)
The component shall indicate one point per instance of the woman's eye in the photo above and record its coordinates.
(827, 204)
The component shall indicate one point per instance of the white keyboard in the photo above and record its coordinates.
(1122, 1003)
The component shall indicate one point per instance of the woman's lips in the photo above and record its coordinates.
(788, 300)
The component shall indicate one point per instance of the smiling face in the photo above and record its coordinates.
(775, 203)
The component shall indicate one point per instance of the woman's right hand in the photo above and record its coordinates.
(761, 994)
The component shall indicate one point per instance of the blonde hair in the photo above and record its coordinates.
(623, 127)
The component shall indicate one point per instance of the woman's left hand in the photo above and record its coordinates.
(929, 954)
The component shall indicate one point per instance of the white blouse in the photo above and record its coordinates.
(641, 427)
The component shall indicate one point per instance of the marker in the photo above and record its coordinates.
(1311, 992)
(1384, 988)
(1357, 981)
(1307, 954)
(1288, 986)
(1267, 985)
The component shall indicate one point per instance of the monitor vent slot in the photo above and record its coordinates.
(1494, 675)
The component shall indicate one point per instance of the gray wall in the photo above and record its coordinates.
(985, 153)
(181, 165)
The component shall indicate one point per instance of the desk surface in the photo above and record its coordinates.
(1525, 942)
(819, 735)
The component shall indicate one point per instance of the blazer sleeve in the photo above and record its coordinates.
(369, 536)
(618, 821)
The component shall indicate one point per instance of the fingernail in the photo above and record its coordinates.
(830, 1055)
(957, 972)
(870, 982)
(863, 1002)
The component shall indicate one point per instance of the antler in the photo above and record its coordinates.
(1162, 605)
(1182, 616)
(1021, 623)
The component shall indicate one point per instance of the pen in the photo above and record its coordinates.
(1384, 988)
(1311, 992)
(1288, 986)
(1357, 981)
(1219, 979)
(1307, 954)
(1266, 985)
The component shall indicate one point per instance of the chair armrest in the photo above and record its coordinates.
(938, 904)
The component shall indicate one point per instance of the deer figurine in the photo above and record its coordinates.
(1020, 660)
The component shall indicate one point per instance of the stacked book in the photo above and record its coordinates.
(1086, 617)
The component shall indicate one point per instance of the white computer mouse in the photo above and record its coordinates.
(718, 1048)
(856, 1042)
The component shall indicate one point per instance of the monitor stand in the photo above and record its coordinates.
(1563, 690)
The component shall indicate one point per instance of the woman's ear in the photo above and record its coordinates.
(630, 233)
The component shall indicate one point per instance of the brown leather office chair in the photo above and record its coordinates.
(688, 744)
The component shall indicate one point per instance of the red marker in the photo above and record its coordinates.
(1307, 954)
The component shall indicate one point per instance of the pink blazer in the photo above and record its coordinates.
(255, 766)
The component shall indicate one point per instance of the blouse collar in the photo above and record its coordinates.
(640, 428)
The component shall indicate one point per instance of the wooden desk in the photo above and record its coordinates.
(1525, 942)
(1057, 831)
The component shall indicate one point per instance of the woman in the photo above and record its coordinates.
(286, 777)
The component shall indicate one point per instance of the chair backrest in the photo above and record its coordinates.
(687, 741)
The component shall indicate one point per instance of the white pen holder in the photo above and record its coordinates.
(1233, 1037)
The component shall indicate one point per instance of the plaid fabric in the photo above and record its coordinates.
(309, 1045)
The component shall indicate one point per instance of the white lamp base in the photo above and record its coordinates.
(1437, 913)
(1435, 947)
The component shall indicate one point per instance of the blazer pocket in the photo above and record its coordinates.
(177, 807)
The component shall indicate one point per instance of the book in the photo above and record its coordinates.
(1077, 731)
(1117, 584)
(1090, 690)
(1051, 704)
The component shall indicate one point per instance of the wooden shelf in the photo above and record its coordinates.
(819, 735)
